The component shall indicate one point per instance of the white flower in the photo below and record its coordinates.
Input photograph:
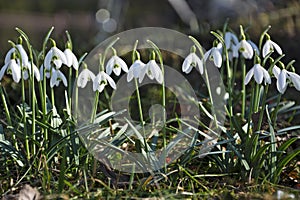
(56, 57)
(101, 80)
(19, 50)
(254, 46)
(135, 70)
(13, 68)
(245, 48)
(56, 77)
(215, 54)
(85, 76)
(47, 72)
(115, 64)
(259, 74)
(27, 71)
(192, 60)
(230, 40)
(270, 46)
(71, 59)
(153, 71)
(282, 77)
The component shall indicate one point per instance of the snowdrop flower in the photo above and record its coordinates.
(71, 59)
(269, 46)
(259, 73)
(101, 80)
(47, 72)
(192, 60)
(56, 77)
(55, 57)
(215, 55)
(85, 76)
(282, 77)
(230, 40)
(27, 71)
(13, 68)
(20, 50)
(135, 70)
(116, 64)
(152, 70)
(245, 48)
(254, 46)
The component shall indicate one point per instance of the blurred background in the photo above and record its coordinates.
(92, 21)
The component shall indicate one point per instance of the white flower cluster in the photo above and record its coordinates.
(115, 64)
(247, 49)
(19, 66)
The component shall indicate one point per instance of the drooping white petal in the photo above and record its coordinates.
(3, 69)
(85, 76)
(110, 65)
(8, 55)
(267, 76)
(36, 72)
(135, 70)
(15, 70)
(23, 54)
(53, 79)
(115, 64)
(48, 59)
(109, 79)
(71, 59)
(192, 60)
(254, 46)
(217, 57)
(246, 49)
(295, 78)
(258, 73)
(249, 75)
(153, 71)
(62, 77)
(56, 52)
(230, 39)
(56, 77)
(281, 81)
(277, 47)
(276, 71)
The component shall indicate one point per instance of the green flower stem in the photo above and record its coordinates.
(243, 87)
(7, 114)
(251, 107)
(207, 79)
(263, 107)
(70, 88)
(257, 97)
(25, 118)
(76, 97)
(275, 112)
(52, 98)
(95, 107)
(158, 52)
(140, 107)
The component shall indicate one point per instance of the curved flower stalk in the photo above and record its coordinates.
(101, 80)
(85, 76)
(259, 74)
(56, 77)
(152, 70)
(282, 76)
(269, 46)
(135, 70)
(191, 61)
(116, 64)
(215, 54)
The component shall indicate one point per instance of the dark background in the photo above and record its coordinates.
(193, 17)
